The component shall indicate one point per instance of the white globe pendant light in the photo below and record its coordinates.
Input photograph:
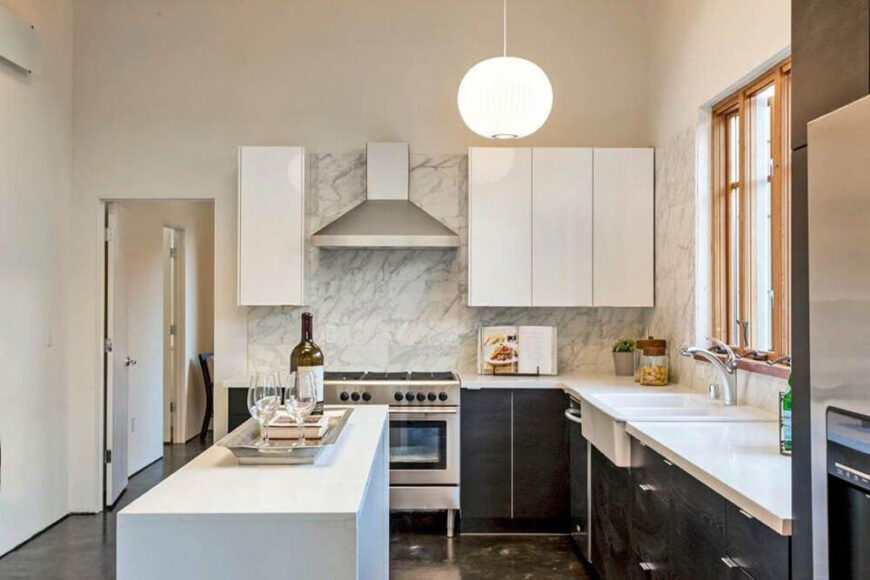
(505, 97)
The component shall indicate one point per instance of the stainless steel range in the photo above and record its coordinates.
(424, 432)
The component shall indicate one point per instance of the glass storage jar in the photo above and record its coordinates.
(640, 345)
(652, 367)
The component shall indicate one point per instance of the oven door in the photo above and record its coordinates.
(424, 446)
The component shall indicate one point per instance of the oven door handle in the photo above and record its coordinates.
(423, 410)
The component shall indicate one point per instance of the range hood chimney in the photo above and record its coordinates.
(386, 219)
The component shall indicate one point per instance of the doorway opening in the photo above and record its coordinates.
(158, 318)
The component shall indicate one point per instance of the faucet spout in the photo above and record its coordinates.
(727, 371)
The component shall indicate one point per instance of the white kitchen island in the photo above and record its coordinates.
(216, 519)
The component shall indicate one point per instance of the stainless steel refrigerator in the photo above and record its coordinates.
(839, 294)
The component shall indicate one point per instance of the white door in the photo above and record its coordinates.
(624, 240)
(117, 367)
(500, 227)
(142, 239)
(561, 227)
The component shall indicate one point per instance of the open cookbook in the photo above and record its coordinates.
(516, 350)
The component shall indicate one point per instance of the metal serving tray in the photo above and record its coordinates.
(243, 443)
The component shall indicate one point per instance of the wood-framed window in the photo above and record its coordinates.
(751, 208)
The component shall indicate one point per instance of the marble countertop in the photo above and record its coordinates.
(214, 483)
(739, 461)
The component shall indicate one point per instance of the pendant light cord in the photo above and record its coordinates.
(504, 28)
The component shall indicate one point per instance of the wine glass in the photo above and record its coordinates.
(263, 402)
(300, 398)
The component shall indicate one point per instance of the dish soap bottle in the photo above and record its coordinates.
(785, 420)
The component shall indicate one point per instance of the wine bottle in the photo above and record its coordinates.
(307, 359)
(785, 440)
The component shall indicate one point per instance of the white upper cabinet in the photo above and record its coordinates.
(624, 247)
(271, 258)
(500, 227)
(561, 227)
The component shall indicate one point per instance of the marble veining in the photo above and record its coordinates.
(406, 309)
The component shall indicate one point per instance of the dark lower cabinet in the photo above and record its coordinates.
(697, 530)
(761, 552)
(515, 464)
(611, 555)
(649, 532)
(541, 464)
(579, 462)
(485, 454)
(655, 521)
(237, 408)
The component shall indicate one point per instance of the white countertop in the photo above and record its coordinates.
(739, 461)
(214, 483)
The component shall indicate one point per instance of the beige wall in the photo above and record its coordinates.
(35, 168)
(700, 51)
(166, 91)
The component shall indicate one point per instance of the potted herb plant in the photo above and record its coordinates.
(623, 357)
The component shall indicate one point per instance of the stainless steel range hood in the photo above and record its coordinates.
(386, 219)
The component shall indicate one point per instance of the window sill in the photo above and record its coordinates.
(756, 366)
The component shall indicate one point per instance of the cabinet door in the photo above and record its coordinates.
(760, 551)
(561, 227)
(486, 453)
(579, 462)
(650, 512)
(540, 458)
(611, 552)
(271, 257)
(499, 227)
(697, 530)
(830, 58)
(623, 216)
(237, 408)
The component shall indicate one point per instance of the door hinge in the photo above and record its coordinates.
(173, 330)
(107, 345)
(172, 406)
(173, 252)
(108, 455)
(110, 234)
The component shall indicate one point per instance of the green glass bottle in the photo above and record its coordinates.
(785, 421)
(307, 358)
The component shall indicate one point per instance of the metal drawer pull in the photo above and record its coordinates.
(647, 566)
(729, 562)
(646, 487)
(847, 469)
(748, 515)
(574, 416)
(668, 463)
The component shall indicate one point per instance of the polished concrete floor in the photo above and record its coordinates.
(82, 547)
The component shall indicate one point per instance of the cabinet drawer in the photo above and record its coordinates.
(648, 533)
(760, 551)
(697, 531)
(650, 470)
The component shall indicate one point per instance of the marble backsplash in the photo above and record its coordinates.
(406, 309)
(674, 314)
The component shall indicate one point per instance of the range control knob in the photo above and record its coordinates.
(421, 397)
(409, 397)
(432, 396)
(398, 396)
(344, 396)
(442, 396)
(355, 396)
(367, 397)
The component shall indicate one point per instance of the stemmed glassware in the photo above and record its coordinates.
(264, 399)
(300, 399)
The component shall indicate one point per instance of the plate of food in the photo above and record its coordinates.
(500, 349)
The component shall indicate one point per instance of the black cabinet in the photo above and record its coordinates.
(237, 408)
(541, 464)
(830, 58)
(515, 466)
(611, 555)
(485, 454)
(697, 530)
(757, 549)
(649, 533)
